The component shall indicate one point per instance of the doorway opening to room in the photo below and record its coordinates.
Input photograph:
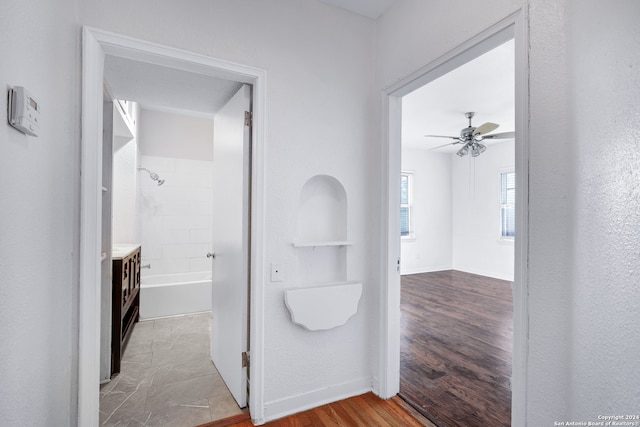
(458, 200)
(457, 228)
(175, 237)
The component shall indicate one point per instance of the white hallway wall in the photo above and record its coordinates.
(39, 212)
(319, 61)
(604, 124)
(578, 270)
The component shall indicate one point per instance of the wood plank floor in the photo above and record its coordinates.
(456, 348)
(366, 410)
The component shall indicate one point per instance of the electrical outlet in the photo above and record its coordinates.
(276, 273)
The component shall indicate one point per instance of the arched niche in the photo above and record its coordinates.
(323, 299)
(322, 213)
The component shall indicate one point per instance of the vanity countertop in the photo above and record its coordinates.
(122, 250)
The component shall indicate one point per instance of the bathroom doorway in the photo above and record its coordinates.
(173, 64)
(162, 191)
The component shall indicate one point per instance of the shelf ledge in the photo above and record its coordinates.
(324, 307)
(321, 244)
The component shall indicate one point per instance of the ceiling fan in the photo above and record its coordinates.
(472, 137)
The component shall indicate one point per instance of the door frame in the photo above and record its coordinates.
(96, 44)
(512, 27)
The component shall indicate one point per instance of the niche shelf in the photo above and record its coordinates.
(321, 244)
(323, 307)
(322, 231)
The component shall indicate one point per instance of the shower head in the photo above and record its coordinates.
(154, 176)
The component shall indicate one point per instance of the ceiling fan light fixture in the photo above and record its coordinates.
(463, 151)
(471, 137)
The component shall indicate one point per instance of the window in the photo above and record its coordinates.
(508, 205)
(406, 202)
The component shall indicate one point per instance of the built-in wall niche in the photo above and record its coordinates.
(322, 231)
(323, 298)
(322, 213)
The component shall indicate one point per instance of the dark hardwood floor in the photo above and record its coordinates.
(366, 410)
(456, 348)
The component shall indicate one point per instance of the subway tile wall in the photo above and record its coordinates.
(176, 216)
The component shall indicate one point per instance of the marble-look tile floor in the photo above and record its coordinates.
(167, 378)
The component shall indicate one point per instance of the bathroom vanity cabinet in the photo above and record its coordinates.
(125, 307)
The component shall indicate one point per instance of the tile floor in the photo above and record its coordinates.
(167, 378)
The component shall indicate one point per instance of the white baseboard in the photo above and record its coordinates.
(486, 273)
(375, 386)
(430, 269)
(293, 404)
(480, 272)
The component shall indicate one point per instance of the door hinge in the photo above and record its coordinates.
(248, 118)
(246, 358)
(398, 265)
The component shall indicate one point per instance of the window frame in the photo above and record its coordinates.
(504, 206)
(409, 205)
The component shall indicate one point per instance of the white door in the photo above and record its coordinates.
(230, 265)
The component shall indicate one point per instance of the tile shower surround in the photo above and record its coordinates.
(176, 217)
(167, 377)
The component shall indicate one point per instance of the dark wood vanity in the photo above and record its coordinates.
(126, 299)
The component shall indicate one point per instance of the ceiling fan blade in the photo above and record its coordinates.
(485, 128)
(503, 135)
(442, 136)
(445, 145)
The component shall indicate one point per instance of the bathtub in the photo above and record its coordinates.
(175, 294)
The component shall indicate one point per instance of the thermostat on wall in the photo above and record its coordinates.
(23, 111)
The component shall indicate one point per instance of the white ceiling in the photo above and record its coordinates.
(484, 85)
(369, 8)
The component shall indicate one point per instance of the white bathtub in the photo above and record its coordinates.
(175, 294)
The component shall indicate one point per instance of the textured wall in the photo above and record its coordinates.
(39, 188)
(550, 217)
(605, 130)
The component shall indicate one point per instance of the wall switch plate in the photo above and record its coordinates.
(276, 273)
